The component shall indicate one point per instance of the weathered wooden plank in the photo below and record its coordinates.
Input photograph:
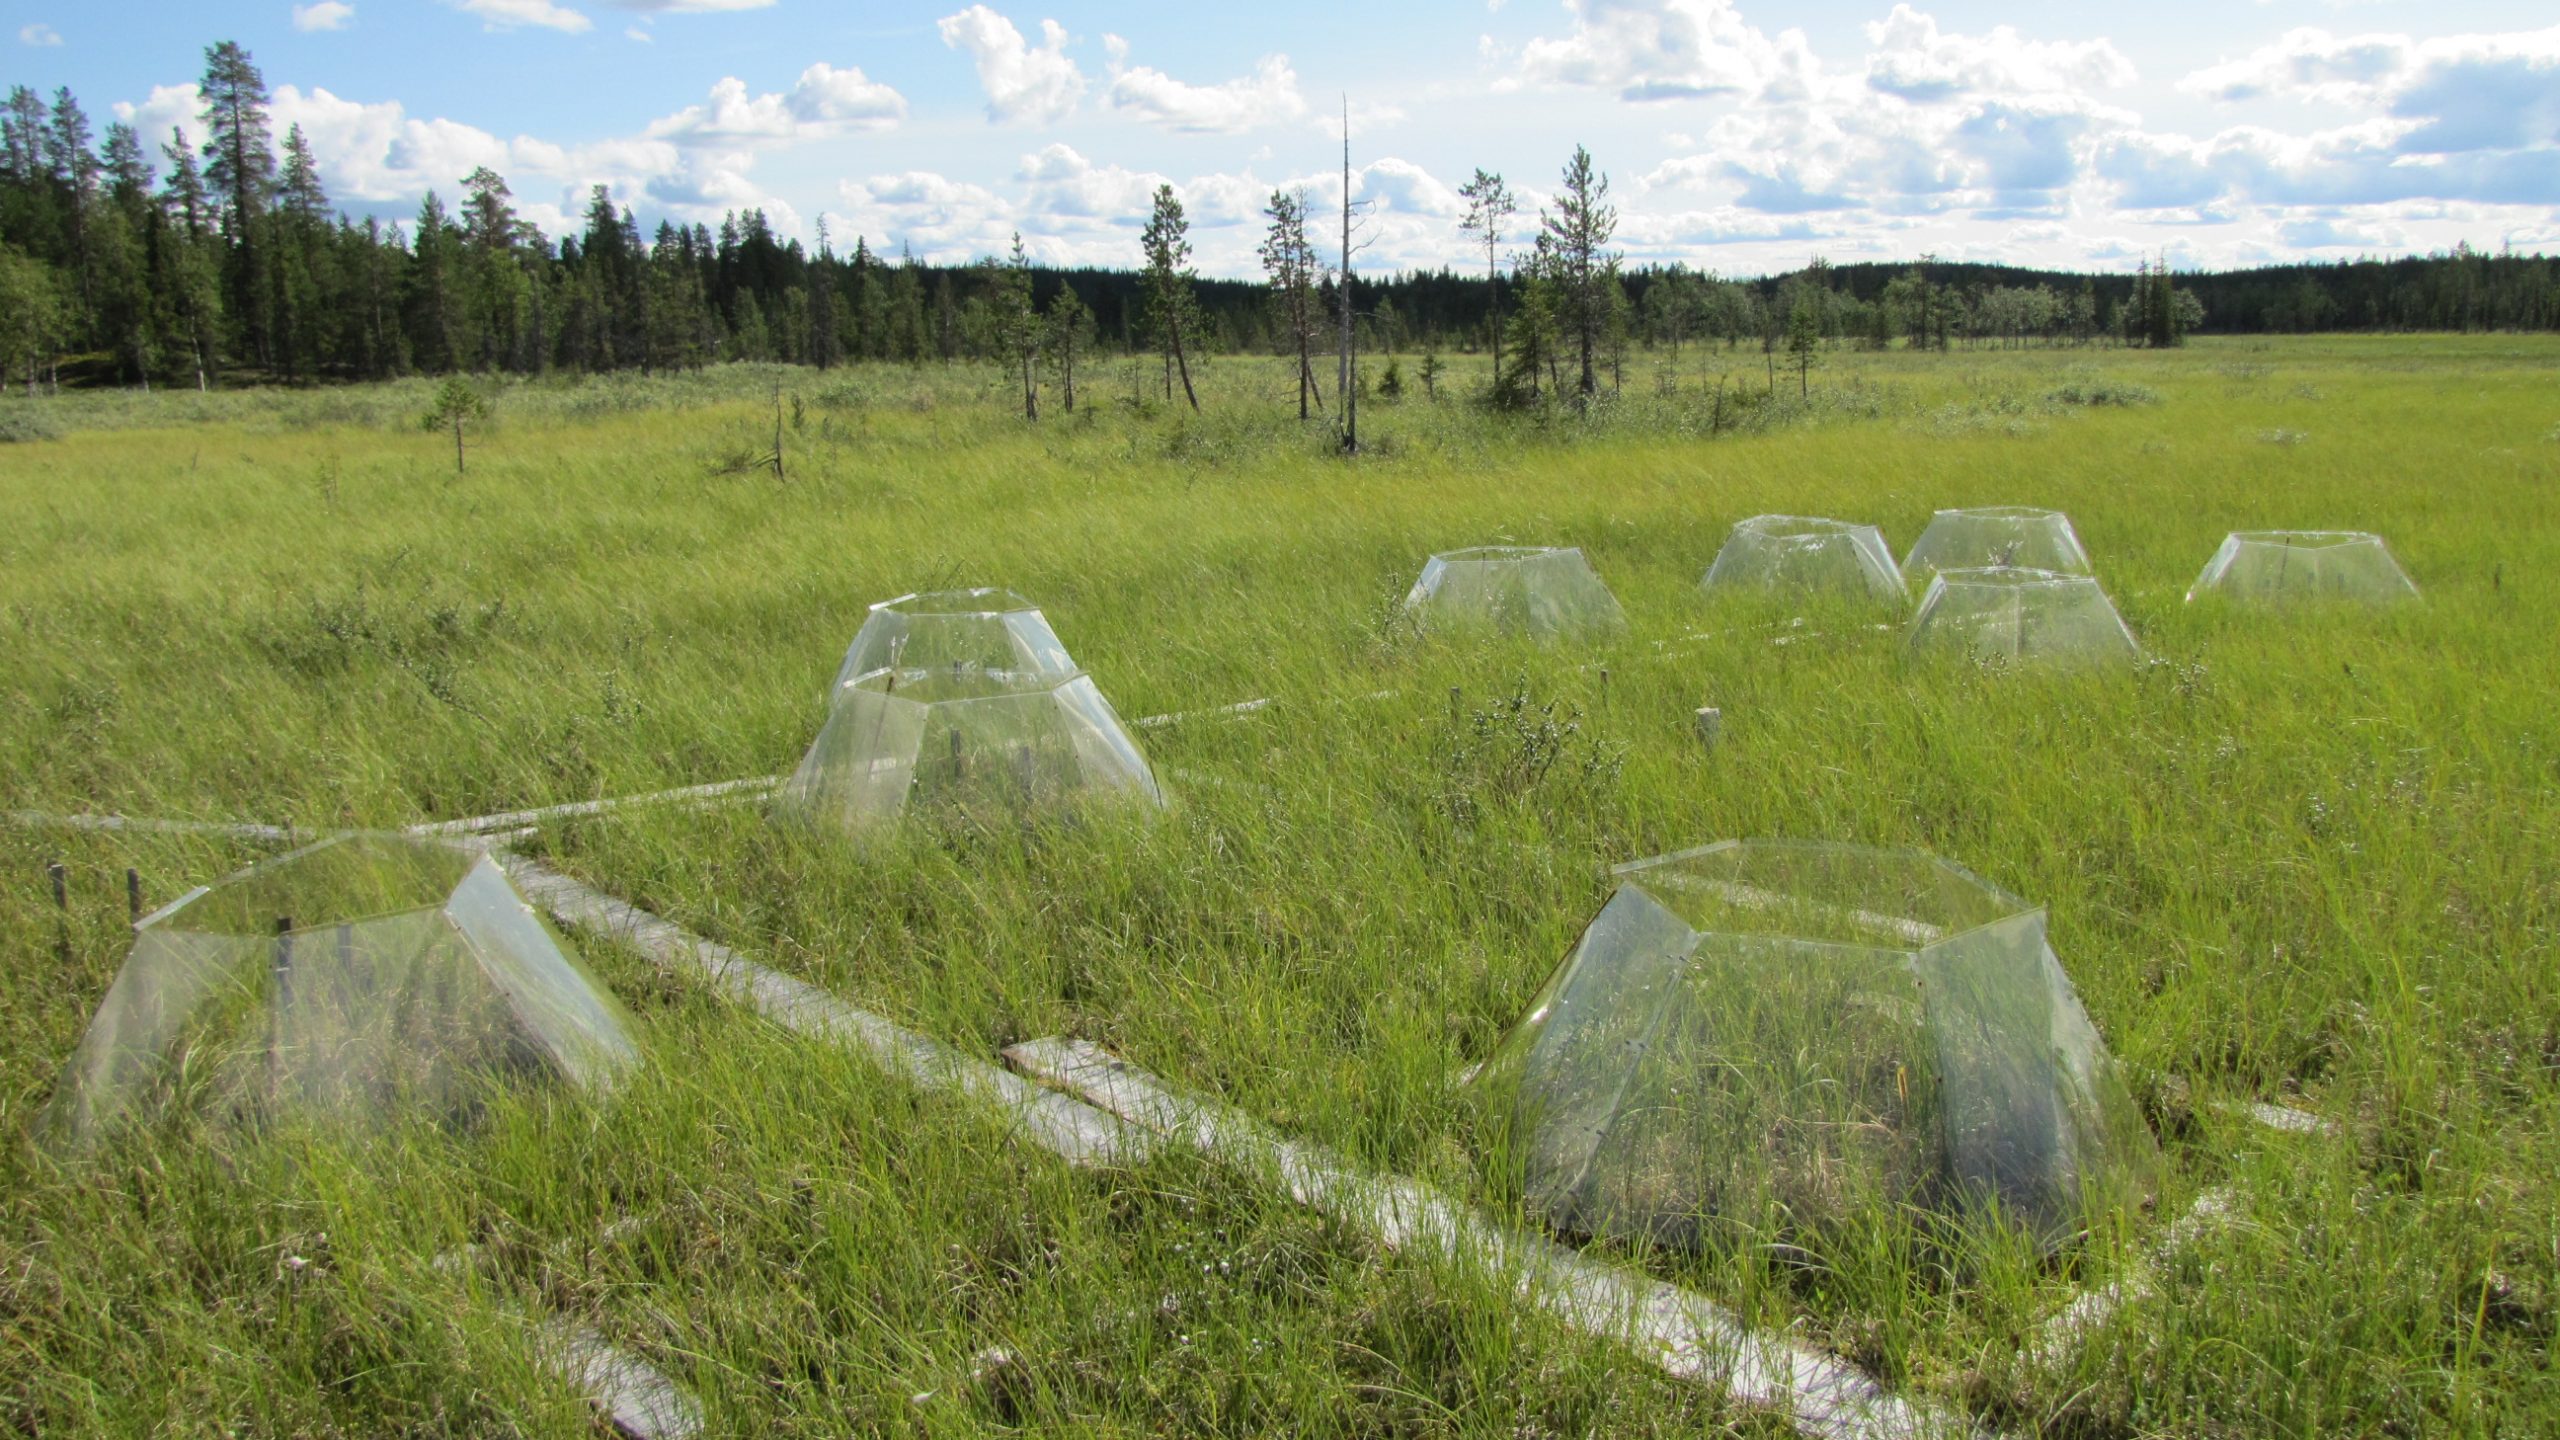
(633, 1396)
(241, 830)
(719, 792)
(1686, 1334)
(1080, 1133)
(2288, 1119)
(2074, 1322)
(1214, 712)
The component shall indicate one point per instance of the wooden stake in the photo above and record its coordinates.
(133, 893)
(62, 910)
(277, 1003)
(777, 433)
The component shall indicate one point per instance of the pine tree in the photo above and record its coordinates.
(1067, 332)
(75, 176)
(1489, 210)
(1015, 325)
(1533, 331)
(185, 271)
(1804, 334)
(497, 293)
(128, 170)
(1289, 262)
(239, 168)
(22, 139)
(1170, 304)
(1579, 232)
(301, 260)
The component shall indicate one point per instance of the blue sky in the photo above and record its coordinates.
(1739, 136)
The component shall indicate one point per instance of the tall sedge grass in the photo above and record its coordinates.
(2307, 855)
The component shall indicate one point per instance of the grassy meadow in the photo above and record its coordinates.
(2308, 856)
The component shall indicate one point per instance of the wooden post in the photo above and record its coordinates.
(133, 893)
(278, 1002)
(61, 879)
(1710, 725)
(777, 434)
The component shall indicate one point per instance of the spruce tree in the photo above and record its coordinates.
(301, 260)
(432, 302)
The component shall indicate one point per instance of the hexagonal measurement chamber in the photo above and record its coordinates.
(1544, 592)
(979, 629)
(2005, 614)
(1807, 555)
(353, 982)
(1775, 1036)
(968, 744)
(2000, 536)
(2271, 567)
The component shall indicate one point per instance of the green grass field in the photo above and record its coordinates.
(2311, 856)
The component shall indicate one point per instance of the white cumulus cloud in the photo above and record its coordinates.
(509, 14)
(325, 15)
(2306, 64)
(1267, 96)
(1038, 84)
(1655, 50)
(825, 101)
(1916, 61)
(39, 34)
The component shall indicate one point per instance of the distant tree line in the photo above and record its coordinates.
(217, 257)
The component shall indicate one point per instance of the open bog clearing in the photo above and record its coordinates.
(2305, 855)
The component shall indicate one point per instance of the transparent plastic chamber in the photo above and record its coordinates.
(2282, 566)
(981, 629)
(971, 744)
(1544, 592)
(1807, 555)
(2027, 617)
(2000, 536)
(1773, 1037)
(360, 982)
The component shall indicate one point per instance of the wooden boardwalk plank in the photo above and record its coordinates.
(1687, 1335)
(719, 792)
(241, 830)
(633, 1396)
(1080, 1133)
